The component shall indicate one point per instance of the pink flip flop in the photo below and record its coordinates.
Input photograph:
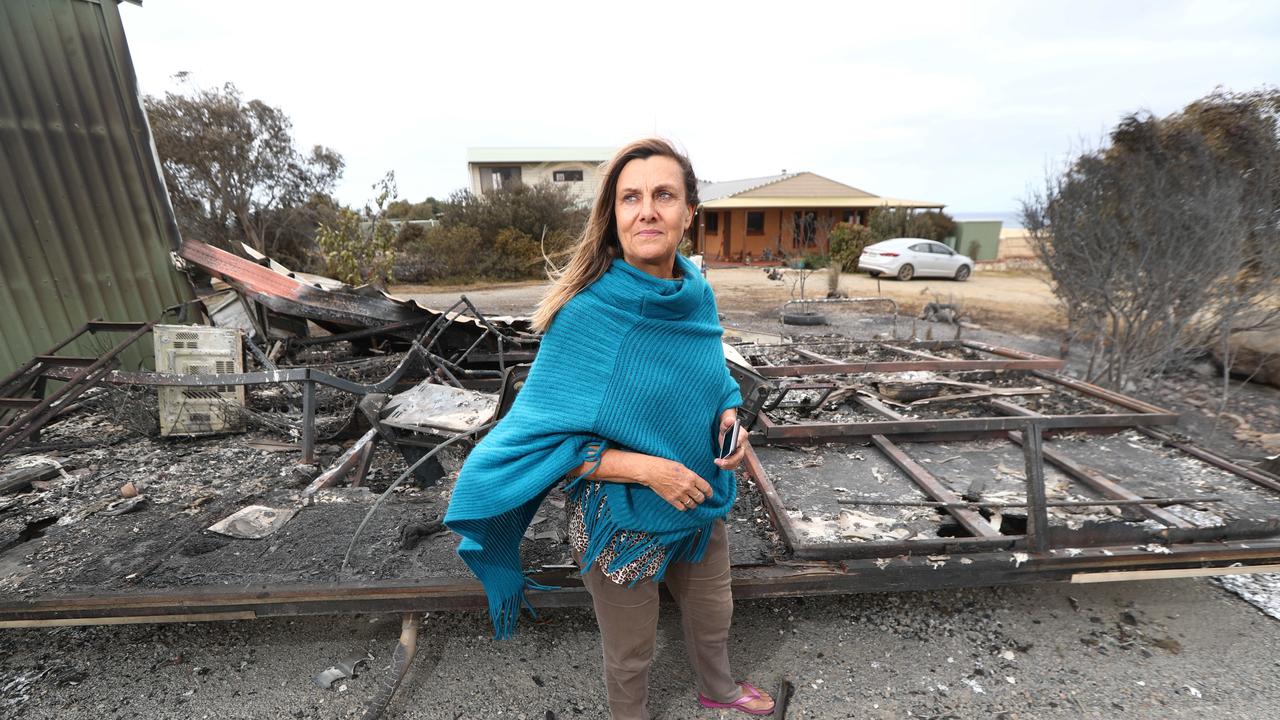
(749, 692)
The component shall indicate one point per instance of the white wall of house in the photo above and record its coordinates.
(564, 174)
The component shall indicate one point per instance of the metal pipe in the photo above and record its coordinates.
(308, 422)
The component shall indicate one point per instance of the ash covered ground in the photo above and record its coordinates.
(1163, 649)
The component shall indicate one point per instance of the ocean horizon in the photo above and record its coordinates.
(1009, 218)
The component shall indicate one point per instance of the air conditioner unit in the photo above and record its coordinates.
(199, 350)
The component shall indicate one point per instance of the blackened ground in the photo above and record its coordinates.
(1148, 651)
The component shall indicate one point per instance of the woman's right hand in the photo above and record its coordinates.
(674, 482)
(677, 484)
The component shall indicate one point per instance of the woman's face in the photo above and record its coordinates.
(652, 213)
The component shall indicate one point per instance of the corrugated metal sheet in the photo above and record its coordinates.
(85, 224)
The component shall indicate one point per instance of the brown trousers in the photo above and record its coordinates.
(628, 619)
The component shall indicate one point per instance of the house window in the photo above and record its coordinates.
(567, 176)
(501, 177)
(755, 222)
(848, 216)
(712, 221)
(804, 232)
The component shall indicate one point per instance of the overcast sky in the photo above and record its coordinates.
(963, 103)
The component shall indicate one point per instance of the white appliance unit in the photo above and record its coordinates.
(199, 350)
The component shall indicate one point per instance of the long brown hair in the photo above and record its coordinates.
(598, 245)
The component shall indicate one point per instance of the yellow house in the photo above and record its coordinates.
(780, 215)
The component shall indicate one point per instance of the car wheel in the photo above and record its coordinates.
(873, 273)
(962, 273)
(906, 272)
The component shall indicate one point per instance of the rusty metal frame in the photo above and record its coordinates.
(769, 431)
(1020, 426)
(824, 390)
(1009, 360)
(1039, 540)
(989, 557)
(419, 353)
(990, 565)
(92, 370)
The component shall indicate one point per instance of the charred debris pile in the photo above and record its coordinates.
(294, 448)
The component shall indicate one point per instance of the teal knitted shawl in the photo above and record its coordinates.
(633, 362)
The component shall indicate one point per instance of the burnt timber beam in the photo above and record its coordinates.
(906, 548)
(811, 355)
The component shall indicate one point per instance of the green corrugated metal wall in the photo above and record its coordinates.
(85, 224)
(979, 239)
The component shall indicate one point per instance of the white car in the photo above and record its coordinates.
(906, 258)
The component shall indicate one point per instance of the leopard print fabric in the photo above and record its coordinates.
(645, 566)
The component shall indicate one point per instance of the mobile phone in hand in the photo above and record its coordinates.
(730, 442)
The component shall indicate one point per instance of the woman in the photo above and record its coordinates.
(629, 397)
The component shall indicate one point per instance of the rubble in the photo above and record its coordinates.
(873, 464)
(22, 472)
(253, 522)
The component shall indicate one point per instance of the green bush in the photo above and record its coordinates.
(360, 247)
(444, 253)
(940, 225)
(530, 209)
(847, 241)
(356, 252)
(497, 236)
(895, 222)
(515, 256)
(410, 234)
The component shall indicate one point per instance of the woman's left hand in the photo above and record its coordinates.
(726, 424)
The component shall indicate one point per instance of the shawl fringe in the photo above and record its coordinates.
(678, 546)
